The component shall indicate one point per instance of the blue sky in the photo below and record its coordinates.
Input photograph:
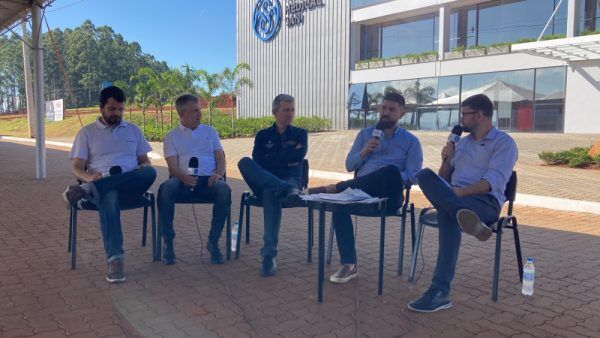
(198, 32)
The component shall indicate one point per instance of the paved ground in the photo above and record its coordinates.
(40, 296)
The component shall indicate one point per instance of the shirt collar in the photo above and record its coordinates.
(286, 131)
(103, 126)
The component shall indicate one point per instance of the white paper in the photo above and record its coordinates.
(345, 197)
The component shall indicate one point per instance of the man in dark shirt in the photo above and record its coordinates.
(274, 173)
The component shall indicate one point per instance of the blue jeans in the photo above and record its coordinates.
(109, 194)
(383, 182)
(272, 190)
(447, 203)
(174, 191)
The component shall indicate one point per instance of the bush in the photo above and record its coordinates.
(242, 127)
(575, 158)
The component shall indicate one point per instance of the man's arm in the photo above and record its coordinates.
(175, 171)
(446, 168)
(144, 161)
(355, 159)
(414, 162)
(478, 188)
(259, 153)
(78, 169)
(221, 167)
(294, 155)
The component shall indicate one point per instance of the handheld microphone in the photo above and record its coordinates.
(454, 136)
(377, 134)
(193, 168)
(114, 170)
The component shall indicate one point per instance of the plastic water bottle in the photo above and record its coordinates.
(234, 235)
(528, 277)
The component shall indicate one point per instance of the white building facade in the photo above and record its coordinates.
(538, 60)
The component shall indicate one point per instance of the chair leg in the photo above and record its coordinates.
(240, 228)
(156, 233)
(411, 210)
(330, 247)
(144, 225)
(70, 228)
(74, 239)
(228, 234)
(247, 223)
(497, 263)
(415, 251)
(309, 239)
(401, 245)
(518, 248)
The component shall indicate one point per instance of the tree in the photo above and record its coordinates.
(129, 93)
(209, 84)
(233, 82)
(143, 91)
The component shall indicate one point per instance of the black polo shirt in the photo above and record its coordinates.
(281, 154)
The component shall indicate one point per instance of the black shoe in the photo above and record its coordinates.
(431, 301)
(73, 194)
(115, 273)
(269, 267)
(168, 253)
(215, 254)
(293, 199)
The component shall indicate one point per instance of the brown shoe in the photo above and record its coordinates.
(316, 190)
(115, 273)
(73, 194)
(344, 274)
(471, 224)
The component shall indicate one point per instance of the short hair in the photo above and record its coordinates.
(394, 97)
(183, 100)
(282, 98)
(111, 91)
(480, 102)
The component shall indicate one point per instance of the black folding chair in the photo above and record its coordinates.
(200, 200)
(407, 208)
(428, 216)
(248, 199)
(145, 201)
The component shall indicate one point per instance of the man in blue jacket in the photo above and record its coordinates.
(274, 173)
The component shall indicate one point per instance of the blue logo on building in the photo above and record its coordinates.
(267, 19)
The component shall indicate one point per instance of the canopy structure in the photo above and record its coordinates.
(579, 48)
(496, 91)
(12, 11)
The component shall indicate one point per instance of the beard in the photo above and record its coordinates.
(467, 129)
(385, 124)
(112, 120)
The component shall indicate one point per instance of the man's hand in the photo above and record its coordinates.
(369, 148)
(213, 178)
(93, 176)
(448, 151)
(188, 180)
(458, 191)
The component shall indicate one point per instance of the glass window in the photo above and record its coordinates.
(589, 15)
(410, 37)
(549, 99)
(463, 27)
(354, 4)
(370, 42)
(356, 119)
(512, 94)
(448, 102)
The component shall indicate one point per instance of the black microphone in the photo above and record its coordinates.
(454, 136)
(114, 170)
(193, 168)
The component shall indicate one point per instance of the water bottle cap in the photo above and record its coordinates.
(530, 259)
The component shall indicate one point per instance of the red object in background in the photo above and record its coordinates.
(525, 118)
(222, 101)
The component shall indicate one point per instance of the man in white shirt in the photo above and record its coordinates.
(193, 140)
(110, 157)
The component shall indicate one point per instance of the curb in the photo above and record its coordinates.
(546, 202)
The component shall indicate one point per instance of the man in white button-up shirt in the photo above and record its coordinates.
(110, 157)
(193, 140)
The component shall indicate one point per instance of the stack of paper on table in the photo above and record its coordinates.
(345, 197)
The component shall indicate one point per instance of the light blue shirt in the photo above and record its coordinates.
(402, 149)
(491, 158)
(103, 146)
(186, 143)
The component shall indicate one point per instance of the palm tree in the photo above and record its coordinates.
(233, 83)
(209, 84)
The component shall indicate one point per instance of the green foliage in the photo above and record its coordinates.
(525, 40)
(476, 47)
(459, 49)
(552, 37)
(500, 44)
(588, 32)
(575, 158)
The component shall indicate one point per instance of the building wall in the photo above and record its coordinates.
(581, 101)
(309, 61)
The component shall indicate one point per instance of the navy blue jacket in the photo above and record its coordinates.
(281, 154)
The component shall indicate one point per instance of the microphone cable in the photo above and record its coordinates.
(223, 283)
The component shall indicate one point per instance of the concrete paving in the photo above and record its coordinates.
(41, 297)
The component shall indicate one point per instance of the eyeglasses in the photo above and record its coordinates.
(468, 113)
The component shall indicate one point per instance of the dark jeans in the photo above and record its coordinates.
(447, 203)
(174, 191)
(109, 194)
(272, 190)
(383, 182)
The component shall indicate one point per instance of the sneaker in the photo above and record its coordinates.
(73, 194)
(115, 272)
(168, 253)
(293, 199)
(431, 301)
(316, 190)
(471, 224)
(269, 267)
(344, 274)
(215, 254)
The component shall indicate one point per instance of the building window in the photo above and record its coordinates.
(549, 99)
(589, 16)
(500, 21)
(399, 38)
(525, 100)
(354, 4)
